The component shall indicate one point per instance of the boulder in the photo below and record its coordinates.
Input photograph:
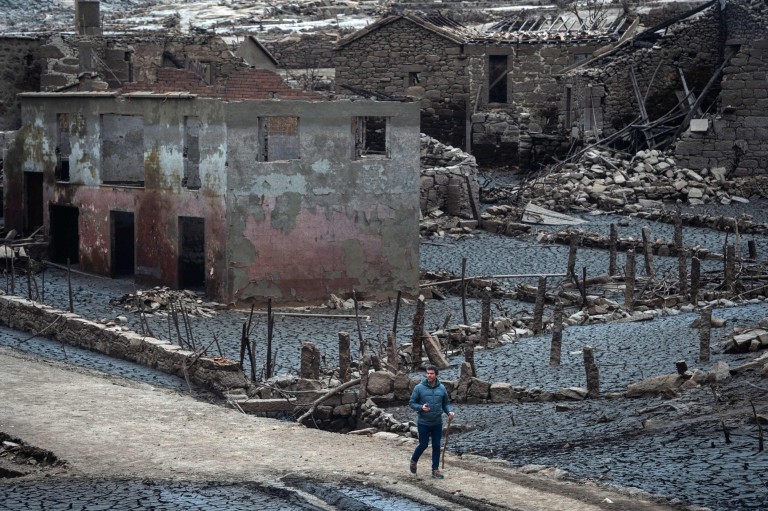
(666, 385)
(574, 393)
(502, 393)
(718, 372)
(380, 383)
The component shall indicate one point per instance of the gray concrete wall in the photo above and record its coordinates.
(323, 223)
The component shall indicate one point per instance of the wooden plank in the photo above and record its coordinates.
(534, 214)
(267, 405)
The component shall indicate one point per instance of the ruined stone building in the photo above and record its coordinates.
(169, 159)
(494, 91)
(700, 76)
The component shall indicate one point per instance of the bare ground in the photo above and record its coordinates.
(108, 427)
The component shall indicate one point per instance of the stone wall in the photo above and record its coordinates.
(737, 138)
(20, 62)
(214, 373)
(393, 57)
(303, 51)
(448, 179)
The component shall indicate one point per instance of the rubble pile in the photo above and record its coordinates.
(161, 298)
(629, 185)
(448, 181)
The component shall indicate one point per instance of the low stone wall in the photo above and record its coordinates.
(215, 373)
(448, 179)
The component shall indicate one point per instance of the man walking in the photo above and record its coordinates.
(430, 399)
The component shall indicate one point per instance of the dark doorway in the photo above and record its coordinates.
(497, 78)
(123, 243)
(33, 187)
(64, 234)
(191, 252)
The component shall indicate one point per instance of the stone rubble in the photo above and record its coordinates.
(159, 299)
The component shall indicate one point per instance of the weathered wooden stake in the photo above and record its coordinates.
(464, 290)
(593, 374)
(469, 357)
(730, 266)
(695, 279)
(629, 281)
(364, 369)
(682, 256)
(393, 362)
(538, 308)
(760, 440)
(270, 332)
(752, 247)
(418, 331)
(345, 356)
(574, 242)
(397, 312)
(614, 240)
(29, 280)
(648, 252)
(704, 334)
(69, 284)
(485, 320)
(310, 361)
(359, 327)
(555, 349)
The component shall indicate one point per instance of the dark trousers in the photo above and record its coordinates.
(425, 432)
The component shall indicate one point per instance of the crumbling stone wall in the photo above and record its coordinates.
(694, 46)
(20, 64)
(448, 179)
(737, 138)
(214, 373)
(303, 51)
(384, 59)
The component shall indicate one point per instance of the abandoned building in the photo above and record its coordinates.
(493, 92)
(702, 81)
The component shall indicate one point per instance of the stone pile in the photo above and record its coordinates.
(448, 180)
(629, 185)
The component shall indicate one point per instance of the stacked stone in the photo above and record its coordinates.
(19, 58)
(599, 181)
(366, 62)
(303, 51)
(445, 173)
(376, 417)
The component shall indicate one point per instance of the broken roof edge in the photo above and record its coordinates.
(74, 94)
(381, 23)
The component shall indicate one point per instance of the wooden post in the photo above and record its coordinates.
(469, 357)
(418, 331)
(704, 334)
(614, 240)
(752, 247)
(359, 328)
(485, 320)
(270, 325)
(682, 259)
(69, 284)
(681, 367)
(574, 242)
(593, 374)
(13, 273)
(629, 281)
(364, 369)
(557, 336)
(695, 279)
(393, 362)
(42, 289)
(648, 252)
(345, 357)
(29, 280)
(730, 266)
(464, 290)
(538, 308)
(397, 312)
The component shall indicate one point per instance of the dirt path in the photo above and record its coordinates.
(110, 427)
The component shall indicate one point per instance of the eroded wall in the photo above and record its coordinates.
(325, 222)
(20, 64)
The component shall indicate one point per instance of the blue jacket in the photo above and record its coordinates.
(436, 396)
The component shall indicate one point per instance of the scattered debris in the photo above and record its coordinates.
(162, 298)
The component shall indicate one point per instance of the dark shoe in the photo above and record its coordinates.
(413, 466)
(436, 474)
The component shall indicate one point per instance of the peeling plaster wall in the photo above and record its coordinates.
(293, 230)
(325, 223)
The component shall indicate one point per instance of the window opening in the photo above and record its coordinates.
(371, 137)
(414, 78)
(122, 150)
(279, 138)
(191, 179)
(63, 147)
(497, 78)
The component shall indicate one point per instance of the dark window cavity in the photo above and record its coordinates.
(191, 179)
(371, 137)
(63, 148)
(497, 79)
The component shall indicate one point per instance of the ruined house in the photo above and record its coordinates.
(169, 160)
(494, 92)
(695, 83)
